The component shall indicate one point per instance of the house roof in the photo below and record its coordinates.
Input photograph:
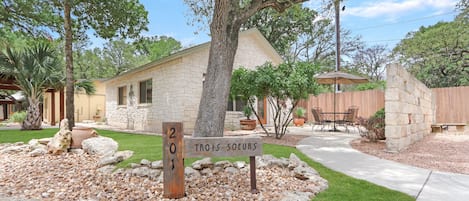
(190, 50)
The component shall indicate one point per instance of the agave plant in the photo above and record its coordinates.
(34, 70)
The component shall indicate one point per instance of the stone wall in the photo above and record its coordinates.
(409, 109)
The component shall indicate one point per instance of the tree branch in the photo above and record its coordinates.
(256, 5)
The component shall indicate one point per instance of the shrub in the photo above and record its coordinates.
(18, 117)
(300, 112)
(374, 126)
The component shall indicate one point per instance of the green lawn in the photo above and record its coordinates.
(341, 187)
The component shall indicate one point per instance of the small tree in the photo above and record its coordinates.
(34, 70)
(283, 85)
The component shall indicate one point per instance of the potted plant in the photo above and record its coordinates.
(248, 123)
(299, 119)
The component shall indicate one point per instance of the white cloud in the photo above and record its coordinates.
(393, 8)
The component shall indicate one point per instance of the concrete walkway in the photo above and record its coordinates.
(333, 151)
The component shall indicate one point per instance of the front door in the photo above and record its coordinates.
(262, 110)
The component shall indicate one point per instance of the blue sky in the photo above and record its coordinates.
(378, 22)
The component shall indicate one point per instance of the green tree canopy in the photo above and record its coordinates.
(283, 85)
(438, 55)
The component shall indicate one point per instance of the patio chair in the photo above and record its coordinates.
(350, 118)
(319, 118)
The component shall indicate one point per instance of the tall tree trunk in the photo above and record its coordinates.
(224, 30)
(228, 16)
(70, 107)
(33, 120)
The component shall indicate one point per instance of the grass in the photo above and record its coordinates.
(341, 187)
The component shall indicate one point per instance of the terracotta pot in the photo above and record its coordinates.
(248, 124)
(298, 121)
(79, 134)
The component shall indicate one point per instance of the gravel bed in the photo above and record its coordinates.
(443, 152)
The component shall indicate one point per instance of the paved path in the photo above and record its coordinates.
(333, 151)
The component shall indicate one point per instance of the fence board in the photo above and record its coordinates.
(451, 103)
(368, 102)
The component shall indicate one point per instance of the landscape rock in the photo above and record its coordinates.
(38, 151)
(201, 164)
(191, 172)
(223, 164)
(206, 172)
(157, 164)
(100, 146)
(126, 154)
(296, 196)
(304, 173)
(239, 164)
(110, 160)
(145, 162)
(294, 162)
(60, 143)
(231, 170)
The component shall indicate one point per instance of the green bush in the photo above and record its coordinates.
(18, 117)
(300, 112)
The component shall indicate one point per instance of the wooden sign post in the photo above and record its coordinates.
(174, 151)
(173, 161)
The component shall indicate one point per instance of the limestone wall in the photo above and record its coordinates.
(409, 109)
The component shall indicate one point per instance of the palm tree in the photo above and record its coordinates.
(34, 70)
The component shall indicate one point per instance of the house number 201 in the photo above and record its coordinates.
(172, 146)
(173, 161)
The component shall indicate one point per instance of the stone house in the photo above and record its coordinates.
(169, 89)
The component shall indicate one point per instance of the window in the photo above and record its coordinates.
(235, 105)
(122, 95)
(145, 91)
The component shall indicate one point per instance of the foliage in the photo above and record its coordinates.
(437, 55)
(28, 17)
(301, 34)
(247, 111)
(371, 61)
(371, 85)
(375, 126)
(283, 85)
(18, 117)
(120, 56)
(341, 186)
(34, 69)
(85, 85)
(300, 112)
(157, 47)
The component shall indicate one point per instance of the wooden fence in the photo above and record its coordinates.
(452, 103)
(368, 102)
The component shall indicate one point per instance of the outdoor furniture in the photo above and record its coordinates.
(319, 118)
(350, 118)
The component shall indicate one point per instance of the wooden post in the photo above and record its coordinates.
(173, 161)
(52, 108)
(252, 163)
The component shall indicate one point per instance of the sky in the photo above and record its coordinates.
(383, 22)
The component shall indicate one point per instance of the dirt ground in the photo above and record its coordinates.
(441, 152)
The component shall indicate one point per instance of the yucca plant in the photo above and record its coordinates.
(34, 70)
